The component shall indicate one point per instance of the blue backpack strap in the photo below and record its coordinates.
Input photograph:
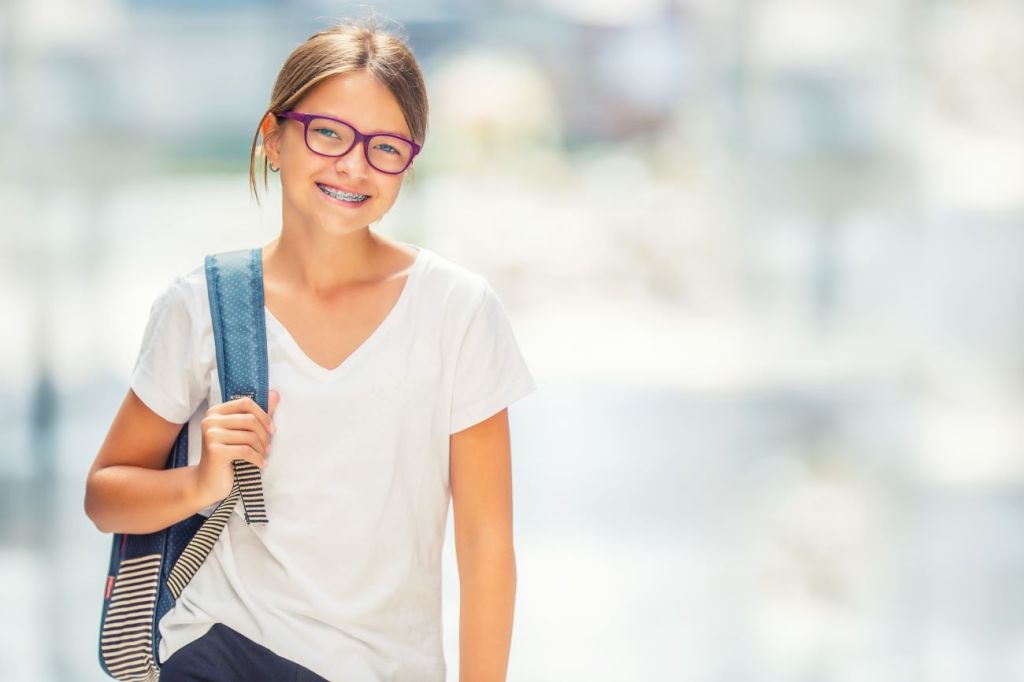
(235, 286)
(234, 281)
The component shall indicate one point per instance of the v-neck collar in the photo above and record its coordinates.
(323, 372)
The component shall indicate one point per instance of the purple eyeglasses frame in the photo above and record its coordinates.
(304, 119)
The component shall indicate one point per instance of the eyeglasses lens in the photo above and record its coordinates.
(387, 153)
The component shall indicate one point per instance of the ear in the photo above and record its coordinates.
(271, 133)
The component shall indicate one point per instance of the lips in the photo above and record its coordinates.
(343, 198)
(340, 188)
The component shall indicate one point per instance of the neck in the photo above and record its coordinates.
(318, 263)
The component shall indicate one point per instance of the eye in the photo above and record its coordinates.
(326, 132)
(389, 149)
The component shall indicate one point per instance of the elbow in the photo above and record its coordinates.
(89, 505)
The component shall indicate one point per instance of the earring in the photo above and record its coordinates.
(274, 170)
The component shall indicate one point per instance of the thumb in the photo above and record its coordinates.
(273, 399)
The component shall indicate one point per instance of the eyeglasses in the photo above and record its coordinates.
(328, 136)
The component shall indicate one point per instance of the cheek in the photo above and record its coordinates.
(298, 159)
(298, 169)
(293, 176)
(388, 191)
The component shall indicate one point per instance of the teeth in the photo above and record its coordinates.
(338, 194)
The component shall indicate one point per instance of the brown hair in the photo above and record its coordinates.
(351, 45)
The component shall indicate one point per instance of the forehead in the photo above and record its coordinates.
(358, 98)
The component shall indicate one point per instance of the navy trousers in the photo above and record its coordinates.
(223, 655)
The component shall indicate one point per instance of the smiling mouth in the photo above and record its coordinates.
(343, 196)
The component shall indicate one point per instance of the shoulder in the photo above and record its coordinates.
(190, 286)
(183, 297)
(192, 282)
(456, 286)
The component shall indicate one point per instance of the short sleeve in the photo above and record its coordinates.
(166, 376)
(490, 371)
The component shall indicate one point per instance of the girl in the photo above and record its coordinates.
(391, 369)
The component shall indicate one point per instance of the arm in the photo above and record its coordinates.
(481, 484)
(128, 490)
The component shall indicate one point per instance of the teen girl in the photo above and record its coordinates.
(391, 369)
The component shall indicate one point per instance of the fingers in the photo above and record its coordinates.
(272, 401)
(235, 436)
(228, 452)
(243, 423)
(246, 404)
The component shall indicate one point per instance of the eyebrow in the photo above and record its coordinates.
(331, 114)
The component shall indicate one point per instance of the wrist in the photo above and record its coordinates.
(193, 492)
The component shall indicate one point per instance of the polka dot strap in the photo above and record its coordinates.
(235, 284)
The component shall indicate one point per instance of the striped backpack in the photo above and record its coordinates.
(148, 572)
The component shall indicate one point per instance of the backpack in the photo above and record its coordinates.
(148, 572)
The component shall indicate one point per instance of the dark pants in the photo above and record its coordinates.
(223, 655)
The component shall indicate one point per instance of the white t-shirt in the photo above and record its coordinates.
(345, 578)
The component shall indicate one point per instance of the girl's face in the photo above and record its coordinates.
(359, 99)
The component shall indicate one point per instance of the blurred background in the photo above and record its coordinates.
(765, 259)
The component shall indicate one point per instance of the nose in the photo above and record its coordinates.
(354, 161)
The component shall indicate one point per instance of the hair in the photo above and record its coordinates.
(349, 46)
